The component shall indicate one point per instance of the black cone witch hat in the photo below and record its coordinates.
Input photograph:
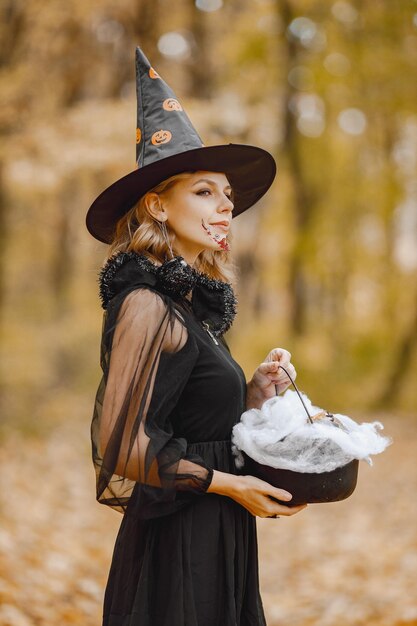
(167, 144)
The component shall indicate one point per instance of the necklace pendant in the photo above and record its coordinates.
(207, 328)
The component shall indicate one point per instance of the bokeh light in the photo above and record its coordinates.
(307, 33)
(174, 45)
(405, 222)
(337, 64)
(352, 121)
(345, 12)
(310, 112)
(209, 5)
(108, 31)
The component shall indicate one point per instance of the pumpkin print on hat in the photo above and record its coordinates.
(153, 73)
(138, 135)
(171, 104)
(161, 136)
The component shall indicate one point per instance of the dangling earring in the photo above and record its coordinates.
(175, 276)
(165, 235)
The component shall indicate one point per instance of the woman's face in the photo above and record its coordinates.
(199, 212)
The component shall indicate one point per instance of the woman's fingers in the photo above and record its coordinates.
(274, 366)
(276, 374)
(278, 493)
(279, 354)
(282, 375)
(285, 511)
(263, 499)
(268, 367)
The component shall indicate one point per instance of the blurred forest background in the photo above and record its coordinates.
(327, 269)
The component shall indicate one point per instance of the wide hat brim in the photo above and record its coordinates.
(249, 169)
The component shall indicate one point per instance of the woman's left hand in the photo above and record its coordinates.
(267, 375)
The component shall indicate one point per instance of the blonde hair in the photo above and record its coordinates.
(138, 231)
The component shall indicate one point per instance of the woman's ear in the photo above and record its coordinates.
(154, 206)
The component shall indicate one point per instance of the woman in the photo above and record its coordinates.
(186, 551)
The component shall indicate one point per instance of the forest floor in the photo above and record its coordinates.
(350, 563)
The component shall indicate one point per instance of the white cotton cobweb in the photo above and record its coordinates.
(279, 435)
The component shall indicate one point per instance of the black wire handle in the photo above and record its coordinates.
(298, 393)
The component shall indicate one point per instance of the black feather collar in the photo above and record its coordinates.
(212, 301)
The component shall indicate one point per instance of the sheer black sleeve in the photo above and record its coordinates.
(147, 356)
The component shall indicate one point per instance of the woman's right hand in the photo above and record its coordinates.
(254, 494)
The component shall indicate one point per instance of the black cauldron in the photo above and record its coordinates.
(308, 487)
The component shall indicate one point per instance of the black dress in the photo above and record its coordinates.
(169, 397)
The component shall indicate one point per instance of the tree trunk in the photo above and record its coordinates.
(201, 68)
(304, 201)
(401, 366)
